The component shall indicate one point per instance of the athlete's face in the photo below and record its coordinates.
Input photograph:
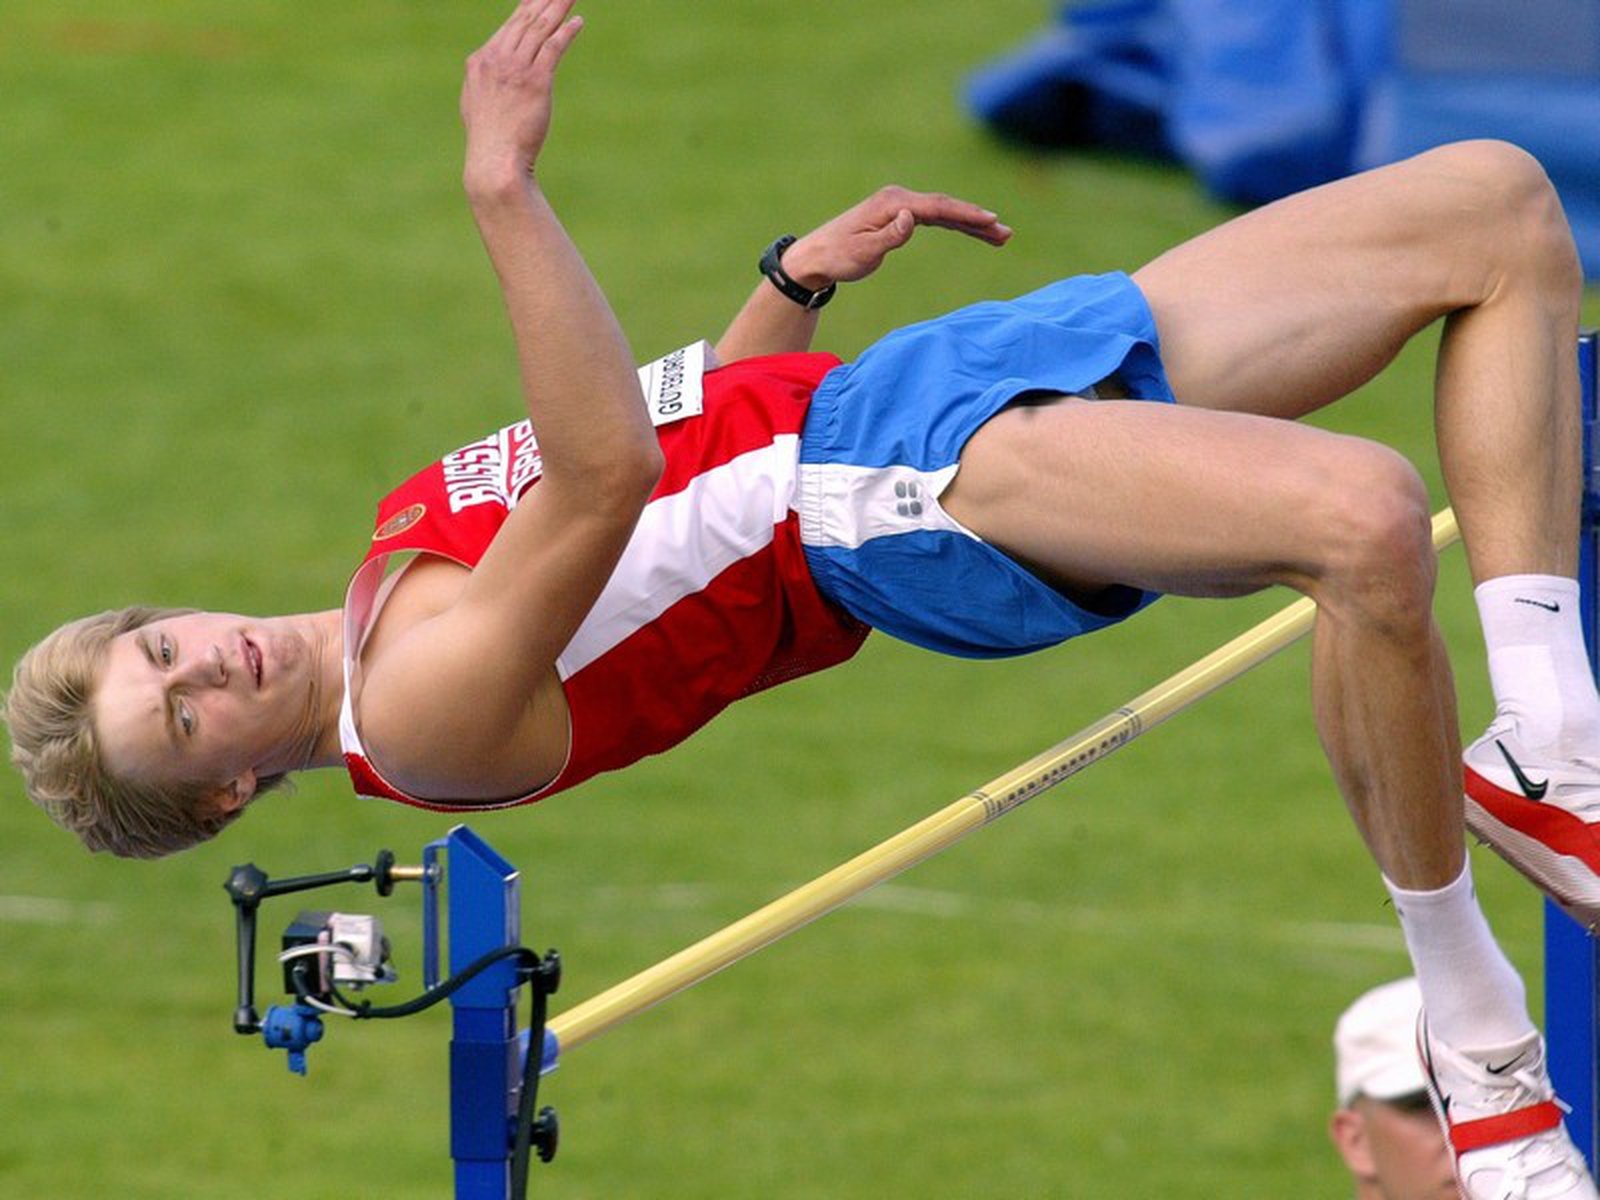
(211, 698)
(1396, 1151)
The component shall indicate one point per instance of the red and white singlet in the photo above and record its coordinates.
(711, 601)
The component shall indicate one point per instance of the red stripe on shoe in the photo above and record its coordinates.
(1506, 1127)
(1552, 826)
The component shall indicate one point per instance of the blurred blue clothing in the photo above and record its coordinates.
(1262, 98)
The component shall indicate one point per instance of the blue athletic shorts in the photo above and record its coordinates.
(881, 443)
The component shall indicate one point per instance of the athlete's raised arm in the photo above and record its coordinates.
(577, 370)
(850, 247)
(446, 701)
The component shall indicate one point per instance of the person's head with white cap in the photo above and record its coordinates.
(1384, 1127)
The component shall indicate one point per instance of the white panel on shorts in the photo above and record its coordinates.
(842, 505)
(685, 540)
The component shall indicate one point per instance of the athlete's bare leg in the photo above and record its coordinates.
(1199, 502)
(1296, 304)
(1275, 315)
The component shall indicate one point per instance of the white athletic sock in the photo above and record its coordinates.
(1537, 663)
(1471, 993)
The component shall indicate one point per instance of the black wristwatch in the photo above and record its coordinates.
(772, 268)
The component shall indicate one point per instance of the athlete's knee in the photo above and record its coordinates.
(1504, 176)
(1513, 215)
(1496, 161)
(1377, 562)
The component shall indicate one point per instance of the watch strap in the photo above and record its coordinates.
(772, 267)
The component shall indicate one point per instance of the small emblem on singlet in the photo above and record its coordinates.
(400, 522)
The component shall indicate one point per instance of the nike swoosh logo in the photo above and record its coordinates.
(1503, 1067)
(1548, 607)
(1530, 789)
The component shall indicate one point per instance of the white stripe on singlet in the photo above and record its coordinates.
(685, 540)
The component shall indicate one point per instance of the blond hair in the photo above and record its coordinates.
(50, 713)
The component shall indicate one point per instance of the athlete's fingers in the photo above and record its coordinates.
(854, 244)
(512, 28)
(934, 208)
(898, 231)
(553, 49)
(995, 232)
(948, 212)
(544, 19)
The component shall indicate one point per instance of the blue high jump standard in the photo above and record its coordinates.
(484, 914)
(1571, 953)
(488, 1055)
(494, 1066)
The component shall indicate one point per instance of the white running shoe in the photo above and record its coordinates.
(1541, 815)
(1503, 1121)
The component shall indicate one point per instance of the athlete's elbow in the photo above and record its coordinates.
(627, 477)
(645, 464)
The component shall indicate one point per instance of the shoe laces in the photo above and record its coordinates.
(1476, 1099)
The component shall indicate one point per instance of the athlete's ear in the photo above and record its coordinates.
(1348, 1131)
(235, 794)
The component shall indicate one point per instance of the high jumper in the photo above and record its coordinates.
(594, 582)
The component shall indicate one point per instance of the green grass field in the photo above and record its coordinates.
(240, 295)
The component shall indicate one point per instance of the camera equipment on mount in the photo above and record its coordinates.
(494, 1069)
(324, 949)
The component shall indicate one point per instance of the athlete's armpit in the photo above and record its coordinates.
(447, 716)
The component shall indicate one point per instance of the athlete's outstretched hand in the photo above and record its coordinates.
(850, 247)
(854, 244)
(506, 97)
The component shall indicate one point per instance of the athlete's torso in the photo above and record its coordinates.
(711, 600)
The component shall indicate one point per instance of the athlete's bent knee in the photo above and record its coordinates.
(1379, 564)
(1523, 226)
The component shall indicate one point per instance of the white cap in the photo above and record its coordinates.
(1375, 1044)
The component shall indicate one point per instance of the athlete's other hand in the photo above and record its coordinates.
(506, 96)
(854, 244)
